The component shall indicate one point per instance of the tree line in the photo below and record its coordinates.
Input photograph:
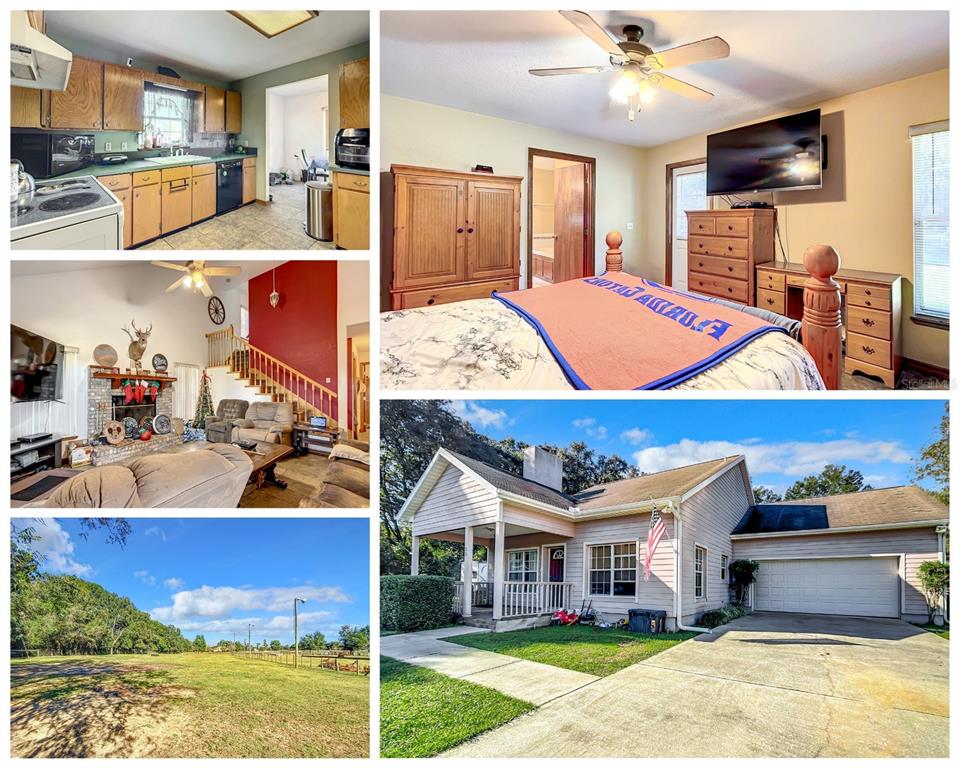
(350, 638)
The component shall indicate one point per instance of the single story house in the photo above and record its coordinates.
(855, 554)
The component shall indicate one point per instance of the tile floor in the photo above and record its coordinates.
(255, 227)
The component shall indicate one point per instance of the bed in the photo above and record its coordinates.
(483, 345)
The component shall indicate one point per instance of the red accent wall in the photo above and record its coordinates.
(302, 330)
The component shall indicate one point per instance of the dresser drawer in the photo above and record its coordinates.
(735, 290)
(772, 300)
(771, 281)
(143, 178)
(733, 226)
(429, 298)
(113, 183)
(868, 349)
(870, 322)
(718, 246)
(717, 265)
(873, 296)
(701, 225)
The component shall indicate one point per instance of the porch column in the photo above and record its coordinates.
(498, 568)
(467, 571)
(415, 556)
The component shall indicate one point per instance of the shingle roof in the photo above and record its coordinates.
(883, 506)
(511, 483)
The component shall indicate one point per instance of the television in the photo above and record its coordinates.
(36, 367)
(773, 156)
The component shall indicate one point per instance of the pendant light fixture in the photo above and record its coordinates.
(274, 296)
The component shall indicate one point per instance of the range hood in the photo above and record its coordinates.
(36, 61)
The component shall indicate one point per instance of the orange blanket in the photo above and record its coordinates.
(617, 331)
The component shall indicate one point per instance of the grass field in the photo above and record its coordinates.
(598, 652)
(188, 705)
(423, 713)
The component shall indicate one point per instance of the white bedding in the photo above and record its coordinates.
(483, 345)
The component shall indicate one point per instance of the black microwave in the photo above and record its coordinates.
(47, 154)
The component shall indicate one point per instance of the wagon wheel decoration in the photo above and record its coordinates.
(216, 311)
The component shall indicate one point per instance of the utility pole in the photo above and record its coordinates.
(296, 636)
(249, 630)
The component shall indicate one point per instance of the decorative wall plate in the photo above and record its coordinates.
(147, 423)
(159, 363)
(105, 355)
(114, 432)
(162, 425)
(216, 311)
(130, 427)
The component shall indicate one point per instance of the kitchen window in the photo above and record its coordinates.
(522, 565)
(169, 113)
(699, 584)
(613, 569)
(930, 145)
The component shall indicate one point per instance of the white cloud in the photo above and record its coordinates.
(54, 547)
(478, 415)
(156, 530)
(584, 423)
(173, 583)
(877, 481)
(590, 426)
(788, 458)
(636, 436)
(306, 620)
(220, 602)
(146, 577)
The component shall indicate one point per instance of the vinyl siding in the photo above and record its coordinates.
(708, 517)
(916, 544)
(456, 501)
(537, 521)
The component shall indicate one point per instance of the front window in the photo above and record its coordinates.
(699, 586)
(613, 569)
(522, 565)
(168, 112)
(931, 220)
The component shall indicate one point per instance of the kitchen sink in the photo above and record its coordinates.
(176, 159)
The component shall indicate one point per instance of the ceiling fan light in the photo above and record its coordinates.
(646, 92)
(186, 281)
(627, 85)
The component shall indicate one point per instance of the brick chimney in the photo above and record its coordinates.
(542, 467)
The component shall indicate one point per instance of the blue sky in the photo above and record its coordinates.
(783, 440)
(213, 576)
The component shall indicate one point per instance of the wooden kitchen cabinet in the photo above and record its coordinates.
(204, 191)
(355, 94)
(249, 179)
(351, 211)
(80, 107)
(214, 109)
(25, 108)
(176, 198)
(146, 212)
(122, 98)
(120, 184)
(234, 119)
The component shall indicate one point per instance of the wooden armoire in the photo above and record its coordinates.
(456, 236)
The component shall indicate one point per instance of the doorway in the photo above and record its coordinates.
(557, 556)
(560, 216)
(686, 191)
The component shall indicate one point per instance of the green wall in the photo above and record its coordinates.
(253, 93)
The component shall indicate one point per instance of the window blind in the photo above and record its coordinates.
(169, 112)
(931, 219)
(187, 390)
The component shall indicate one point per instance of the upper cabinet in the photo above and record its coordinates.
(355, 94)
(122, 98)
(81, 105)
(214, 110)
(25, 108)
(234, 112)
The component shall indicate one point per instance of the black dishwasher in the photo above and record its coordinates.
(229, 185)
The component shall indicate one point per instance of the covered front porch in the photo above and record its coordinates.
(521, 580)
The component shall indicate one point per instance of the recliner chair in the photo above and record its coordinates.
(267, 422)
(221, 428)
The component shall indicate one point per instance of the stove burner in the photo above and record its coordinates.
(64, 186)
(22, 210)
(70, 202)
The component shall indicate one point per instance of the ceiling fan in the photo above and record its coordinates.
(195, 275)
(640, 67)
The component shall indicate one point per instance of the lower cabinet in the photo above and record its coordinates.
(204, 191)
(177, 199)
(119, 184)
(146, 212)
(249, 180)
(351, 211)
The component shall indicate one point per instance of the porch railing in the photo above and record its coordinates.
(482, 595)
(531, 598)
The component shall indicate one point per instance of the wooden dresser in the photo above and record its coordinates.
(723, 249)
(455, 236)
(871, 313)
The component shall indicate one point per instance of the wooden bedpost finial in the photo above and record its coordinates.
(822, 324)
(614, 254)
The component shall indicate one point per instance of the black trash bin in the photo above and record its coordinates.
(647, 621)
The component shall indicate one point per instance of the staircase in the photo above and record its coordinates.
(269, 376)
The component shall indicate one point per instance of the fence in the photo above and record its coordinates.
(354, 664)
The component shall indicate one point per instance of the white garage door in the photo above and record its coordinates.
(862, 586)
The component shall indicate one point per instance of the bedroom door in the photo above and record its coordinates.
(688, 193)
(570, 222)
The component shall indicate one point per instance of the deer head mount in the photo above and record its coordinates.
(138, 342)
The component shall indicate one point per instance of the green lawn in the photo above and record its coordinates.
(184, 705)
(584, 649)
(423, 713)
(944, 631)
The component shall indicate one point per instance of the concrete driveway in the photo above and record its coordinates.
(767, 685)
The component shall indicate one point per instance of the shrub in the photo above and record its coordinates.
(715, 618)
(412, 603)
(935, 580)
(742, 574)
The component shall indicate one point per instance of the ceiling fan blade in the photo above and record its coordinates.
(570, 71)
(681, 88)
(176, 284)
(585, 23)
(691, 53)
(205, 287)
(221, 271)
(168, 265)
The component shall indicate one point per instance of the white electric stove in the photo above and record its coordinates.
(73, 214)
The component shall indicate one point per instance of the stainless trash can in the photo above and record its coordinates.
(319, 224)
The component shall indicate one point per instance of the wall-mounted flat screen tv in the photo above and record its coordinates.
(36, 367)
(775, 155)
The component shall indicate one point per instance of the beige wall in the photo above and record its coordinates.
(868, 219)
(543, 199)
(417, 133)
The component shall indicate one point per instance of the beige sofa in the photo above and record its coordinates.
(267, 422)
(213, 476)
(345, 483)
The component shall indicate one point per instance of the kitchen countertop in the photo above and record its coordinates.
(357, 171)
(145, 165)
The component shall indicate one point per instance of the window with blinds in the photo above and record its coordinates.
(169, 112)
(187, 390)
(931, 219)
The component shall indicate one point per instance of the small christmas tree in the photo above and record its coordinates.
(204, 402)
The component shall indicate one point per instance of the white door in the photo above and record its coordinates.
(858, 586)
(689, 194)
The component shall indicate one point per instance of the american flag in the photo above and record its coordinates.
(657, 529)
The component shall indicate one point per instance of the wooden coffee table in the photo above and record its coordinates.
(265, 457)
